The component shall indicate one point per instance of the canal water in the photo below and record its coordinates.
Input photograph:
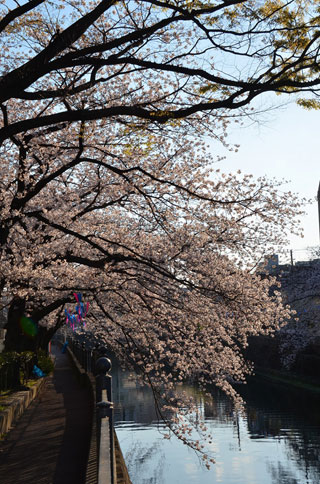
(275, 441)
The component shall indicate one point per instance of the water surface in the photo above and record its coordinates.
(276, 441)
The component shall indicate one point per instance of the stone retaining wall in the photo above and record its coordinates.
(16, 403)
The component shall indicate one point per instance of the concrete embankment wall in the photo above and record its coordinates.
(15, 405)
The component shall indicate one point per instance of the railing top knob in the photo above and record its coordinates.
(103, 365)
(102, 350)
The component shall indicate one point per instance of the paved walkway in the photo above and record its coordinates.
(50, 442)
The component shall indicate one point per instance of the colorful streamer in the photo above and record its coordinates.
(77, 318)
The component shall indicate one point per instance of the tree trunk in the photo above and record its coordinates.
(14, 335)
(23, 333)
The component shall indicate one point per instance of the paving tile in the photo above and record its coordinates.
(49, 444)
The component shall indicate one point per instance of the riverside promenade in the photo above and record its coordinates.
(50, 443)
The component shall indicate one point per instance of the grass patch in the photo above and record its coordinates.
(5, 394)
(31, 383)
(28, 384)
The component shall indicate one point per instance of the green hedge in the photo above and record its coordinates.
(45, 363)
(16, 368)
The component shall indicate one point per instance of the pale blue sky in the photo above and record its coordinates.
(285, 144)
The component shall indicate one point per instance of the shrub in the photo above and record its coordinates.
(45, 363)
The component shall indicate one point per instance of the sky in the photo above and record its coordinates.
(284, 144)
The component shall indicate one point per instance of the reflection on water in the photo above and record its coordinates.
(277, 441)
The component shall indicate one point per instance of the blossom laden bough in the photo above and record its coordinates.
(108, 189)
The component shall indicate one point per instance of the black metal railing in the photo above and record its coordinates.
(107, 471)
(92, 359)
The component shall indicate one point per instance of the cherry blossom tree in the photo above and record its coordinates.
(107, 187)
(163, 246)
(150, 61)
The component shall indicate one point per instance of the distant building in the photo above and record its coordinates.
(318, 198)
(270, 264)
(3, 320)
(3, 317)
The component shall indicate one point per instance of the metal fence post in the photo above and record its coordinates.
(89, 354)
(107, 473)
(84, 356)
